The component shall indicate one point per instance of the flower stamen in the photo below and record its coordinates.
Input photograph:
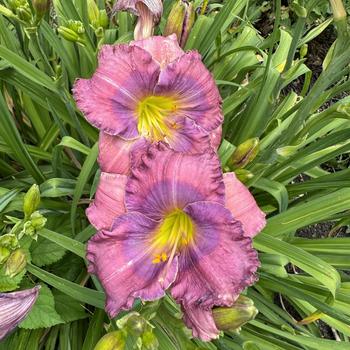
(152, 112)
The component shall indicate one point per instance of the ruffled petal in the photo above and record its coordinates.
(110, 98)
(154, 6)
(114, 153)
(193, 87)
(14, 307)
(109, 201)
(215, 137)
(122, 260)
(163, 49)
(167, 180)
(220, 263)
(243, 206)
(201, 322)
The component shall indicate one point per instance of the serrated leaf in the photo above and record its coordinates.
(45, 252)
(43, 313)
(68, 308)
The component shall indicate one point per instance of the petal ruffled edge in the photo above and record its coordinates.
(219, 264)
(122, 261)
(243, 206)
(154, 6)
(109, 201)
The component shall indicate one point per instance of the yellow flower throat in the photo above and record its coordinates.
(152, 112)
(175, 232)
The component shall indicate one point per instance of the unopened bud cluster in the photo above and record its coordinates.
(13, 258)
(131, 327)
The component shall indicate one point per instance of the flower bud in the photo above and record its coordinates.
(180, 21)
(23, 13)
(136, 325)
(245, 153)
(16, 262)
(6, 12)
(35, 223)
(303, 50)
(243, 175)
(93, 13)
(41, 7)
(149, 340)
(31, 200)
(111, 341)
(232, 318)
(103, 19)
(70, 35)
(9, 241)
(4, 254)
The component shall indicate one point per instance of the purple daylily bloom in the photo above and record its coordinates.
(179, 230)
(150, 91)
(148, 12)
(14, 307)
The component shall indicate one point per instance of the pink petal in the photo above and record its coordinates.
(243, 206)
(163, 49)
(14, 307)
(109, 201)
(155, 6)
(219, 265)
(166, 180)
(215, 137)
(114, 154)
(201, 322)
(109, 99)
(194, 88)
(122, 260)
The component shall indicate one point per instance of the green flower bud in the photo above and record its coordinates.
(9, 241)
(31, 200)
(41, 7)
(303, 50)
(299, 10)
(111, 341)
(69, 34)
(35, 223)
(136, 325)
(6, 12)
(103, 19)
(232, 318)
(16, 262)
(93, 13)
(243, 175)
(245, 153)
(180, 21)
(149, 340)
(4, 254)
(24, 13)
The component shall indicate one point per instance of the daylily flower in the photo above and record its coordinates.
(174, 222)
(148, 12)
(150, 91)
(14, 307)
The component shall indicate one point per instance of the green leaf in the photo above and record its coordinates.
(68, 308)
(27, 69)
(44, 252)
(276, 189)
(82, 180)
(8, 284)
(43, 313)
(6, 198)
(65, 242)
(11, 136)
(320, 270)
(82, 294)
